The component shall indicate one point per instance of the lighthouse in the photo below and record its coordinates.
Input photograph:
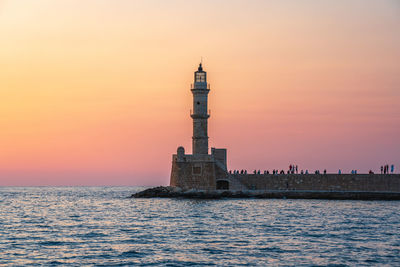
(200, 170)
(200, 89)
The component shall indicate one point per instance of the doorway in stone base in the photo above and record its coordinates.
(222, 185)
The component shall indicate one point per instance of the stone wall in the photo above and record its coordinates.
(316, 182)
(199, 171)
(193, 175)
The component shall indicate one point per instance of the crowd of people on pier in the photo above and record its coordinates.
(293, 169)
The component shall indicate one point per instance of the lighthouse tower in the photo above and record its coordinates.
(200, 170)
(200, 90)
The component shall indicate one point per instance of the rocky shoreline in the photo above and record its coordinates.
(176, 192)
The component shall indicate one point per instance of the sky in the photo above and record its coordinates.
(97, 92)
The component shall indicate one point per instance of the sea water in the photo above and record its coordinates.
(101, 226)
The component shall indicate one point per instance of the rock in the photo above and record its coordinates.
(159, 191)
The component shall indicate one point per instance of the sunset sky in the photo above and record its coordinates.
(97, 92)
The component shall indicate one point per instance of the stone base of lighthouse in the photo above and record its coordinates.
(199, 171)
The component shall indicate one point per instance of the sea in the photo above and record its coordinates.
(102, 226)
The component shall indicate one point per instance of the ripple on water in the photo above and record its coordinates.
(100, 226)
(133, 254)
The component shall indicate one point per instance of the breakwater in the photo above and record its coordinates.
(291, 186)
(314, 182)
(176, 192)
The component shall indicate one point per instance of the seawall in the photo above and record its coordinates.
(314, 182)
(291, 186)
(176, 192)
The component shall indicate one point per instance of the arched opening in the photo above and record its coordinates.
(222, 185)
